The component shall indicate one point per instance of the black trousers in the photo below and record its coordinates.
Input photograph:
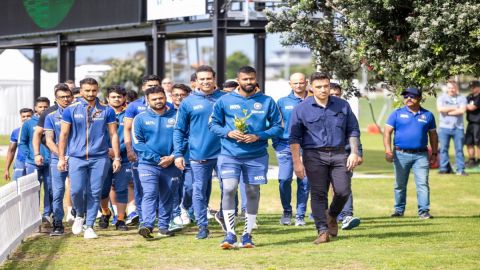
(324, 168)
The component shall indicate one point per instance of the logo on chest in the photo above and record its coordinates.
(149, 123)
(289, 107)
(235, 107)
(171, 122)
(422, 118)
(197, 107)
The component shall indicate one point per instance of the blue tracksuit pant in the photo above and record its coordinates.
(202, 186)
(86, 177)
(58, 190)
(157, 189)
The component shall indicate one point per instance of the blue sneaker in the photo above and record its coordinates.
(114, 220)
(203, 233)
(229, 241)
(247, 241)
(132, 219)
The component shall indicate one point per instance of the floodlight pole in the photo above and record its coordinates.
(219, 31)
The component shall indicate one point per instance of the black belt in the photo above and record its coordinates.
(419, 150)
(329, 149)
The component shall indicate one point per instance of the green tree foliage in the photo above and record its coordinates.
(123, 71)
(400, 42)
(49, 63)
(235, 61)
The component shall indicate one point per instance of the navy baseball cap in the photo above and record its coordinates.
(413, 91)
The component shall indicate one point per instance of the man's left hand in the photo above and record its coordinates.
(250, 138)
(352, 161)
(116, 165)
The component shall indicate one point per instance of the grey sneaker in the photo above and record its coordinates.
(350, 222)
(425, 215)
(300, 221)
(286, 219)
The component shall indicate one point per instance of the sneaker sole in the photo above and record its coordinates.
(226, 245)
(247, 246)
(145, 233)
(56, 234)
(352, 224)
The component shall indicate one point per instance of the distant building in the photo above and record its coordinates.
(283, 59)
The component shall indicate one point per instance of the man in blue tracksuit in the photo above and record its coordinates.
(284, 155)
(204, 145)
(153, 141)
(245, 119)
(43, 171)
(83, 131)
(63, 97)
(19, 160)
(133, 109)
(116, 97)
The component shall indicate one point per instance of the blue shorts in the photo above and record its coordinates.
(253, 170)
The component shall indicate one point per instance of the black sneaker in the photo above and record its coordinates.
(58, 228)
(219, 218)
(396, 214)
(104, 221)
(165, 233)
(121, 226)
(145, 232)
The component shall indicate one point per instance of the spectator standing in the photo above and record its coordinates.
(472, 136)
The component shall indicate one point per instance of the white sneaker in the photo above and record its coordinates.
(70, 217)
(77, 226)
(178, 220)
(185, 217)
(209, 214)
(90, 233)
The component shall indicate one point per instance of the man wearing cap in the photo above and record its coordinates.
(451, 106)
(472, 136)
(413, 126)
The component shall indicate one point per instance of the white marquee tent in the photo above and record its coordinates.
(16, 87)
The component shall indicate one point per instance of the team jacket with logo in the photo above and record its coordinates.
(153, 135)
(53, 123)
(286, 106)
(25, 142)
(265, 121)
(193, 117)
(88, 135)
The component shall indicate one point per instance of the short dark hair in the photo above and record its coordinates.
(230, 83)
(246, 69)
(150, 77)
(154, 90)
(69, 81)
(90, 81)
(474, 84)
(116, 89)
(319, 76)
(42, 99)
(204, 68)
(76, 90)
(131, 95)
(62, 87)
(182, 86)
(193, 77)
(26, 110)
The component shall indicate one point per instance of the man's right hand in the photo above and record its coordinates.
(389, 157)
(180, 163)
(132, 157)
(299, 169)
(236, 135)
(38, 160)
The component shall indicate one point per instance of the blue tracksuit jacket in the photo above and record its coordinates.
(25, 142)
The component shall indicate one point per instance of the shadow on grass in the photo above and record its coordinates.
(411, 218)
(28, 246)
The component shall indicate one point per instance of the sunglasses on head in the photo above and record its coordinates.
(411, 96)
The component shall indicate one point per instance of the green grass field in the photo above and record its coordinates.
(449, 241)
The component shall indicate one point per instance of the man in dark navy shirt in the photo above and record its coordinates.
(320, 126)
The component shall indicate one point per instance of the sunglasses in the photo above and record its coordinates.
(410, 96)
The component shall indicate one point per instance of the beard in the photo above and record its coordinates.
(248, 88)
